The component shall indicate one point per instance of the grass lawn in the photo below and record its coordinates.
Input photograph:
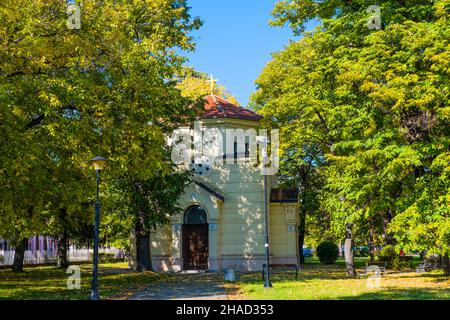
(317, 281)
(50, 283)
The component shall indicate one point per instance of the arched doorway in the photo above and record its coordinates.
(195, 239)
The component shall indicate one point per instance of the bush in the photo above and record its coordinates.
(404, 262)
(327, 252)
(358, 253)
(389, 255)
(106, 257)
(361, 252)
(393, 260)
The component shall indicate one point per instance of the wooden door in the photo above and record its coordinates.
(195, 246)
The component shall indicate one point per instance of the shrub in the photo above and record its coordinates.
(106, 257)
(327, 252)
(389, 255)
(361, 252)
(393, 260)
(404, 262)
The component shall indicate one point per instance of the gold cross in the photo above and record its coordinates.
(212, 81)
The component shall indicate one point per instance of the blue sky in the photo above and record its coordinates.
(236, 41)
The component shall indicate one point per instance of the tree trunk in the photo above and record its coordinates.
(143, 260)
(386, 220)
(19, 255)
(441, 261)
(301, 236)
(423, 255)
(143, 255)
(371, 245)
(62, 241)
(45, 248)
(446, 265)
(44, 244)
(349, 262)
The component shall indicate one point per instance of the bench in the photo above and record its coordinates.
(425, 267)
(281, 268)
(374, 267)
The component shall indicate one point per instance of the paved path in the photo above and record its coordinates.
(201, 286)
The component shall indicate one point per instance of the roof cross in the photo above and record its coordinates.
(212, 81)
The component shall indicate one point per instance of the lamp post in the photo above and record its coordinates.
(264, 141)
(98, 163)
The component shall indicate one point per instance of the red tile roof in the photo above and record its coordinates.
(217, 107)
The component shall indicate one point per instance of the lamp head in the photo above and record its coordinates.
(99, 163)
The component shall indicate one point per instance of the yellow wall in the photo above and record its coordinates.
(283, 231)
(161, 241)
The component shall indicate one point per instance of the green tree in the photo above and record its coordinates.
(69, 94)
(194, 84)
(375, 102)
(140, 206)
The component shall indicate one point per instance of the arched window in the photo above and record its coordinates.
(195, 215)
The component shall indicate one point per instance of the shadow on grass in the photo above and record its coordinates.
(434, 276)
(403, 294)
(50, 283)
(330, 282)
(307, 272)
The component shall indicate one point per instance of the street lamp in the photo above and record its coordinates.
(98, 163)
(262, 140)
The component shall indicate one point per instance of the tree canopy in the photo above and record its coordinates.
(67, 95)
(375, 103)
(196, 85)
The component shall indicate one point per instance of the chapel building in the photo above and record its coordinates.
(221, 224)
